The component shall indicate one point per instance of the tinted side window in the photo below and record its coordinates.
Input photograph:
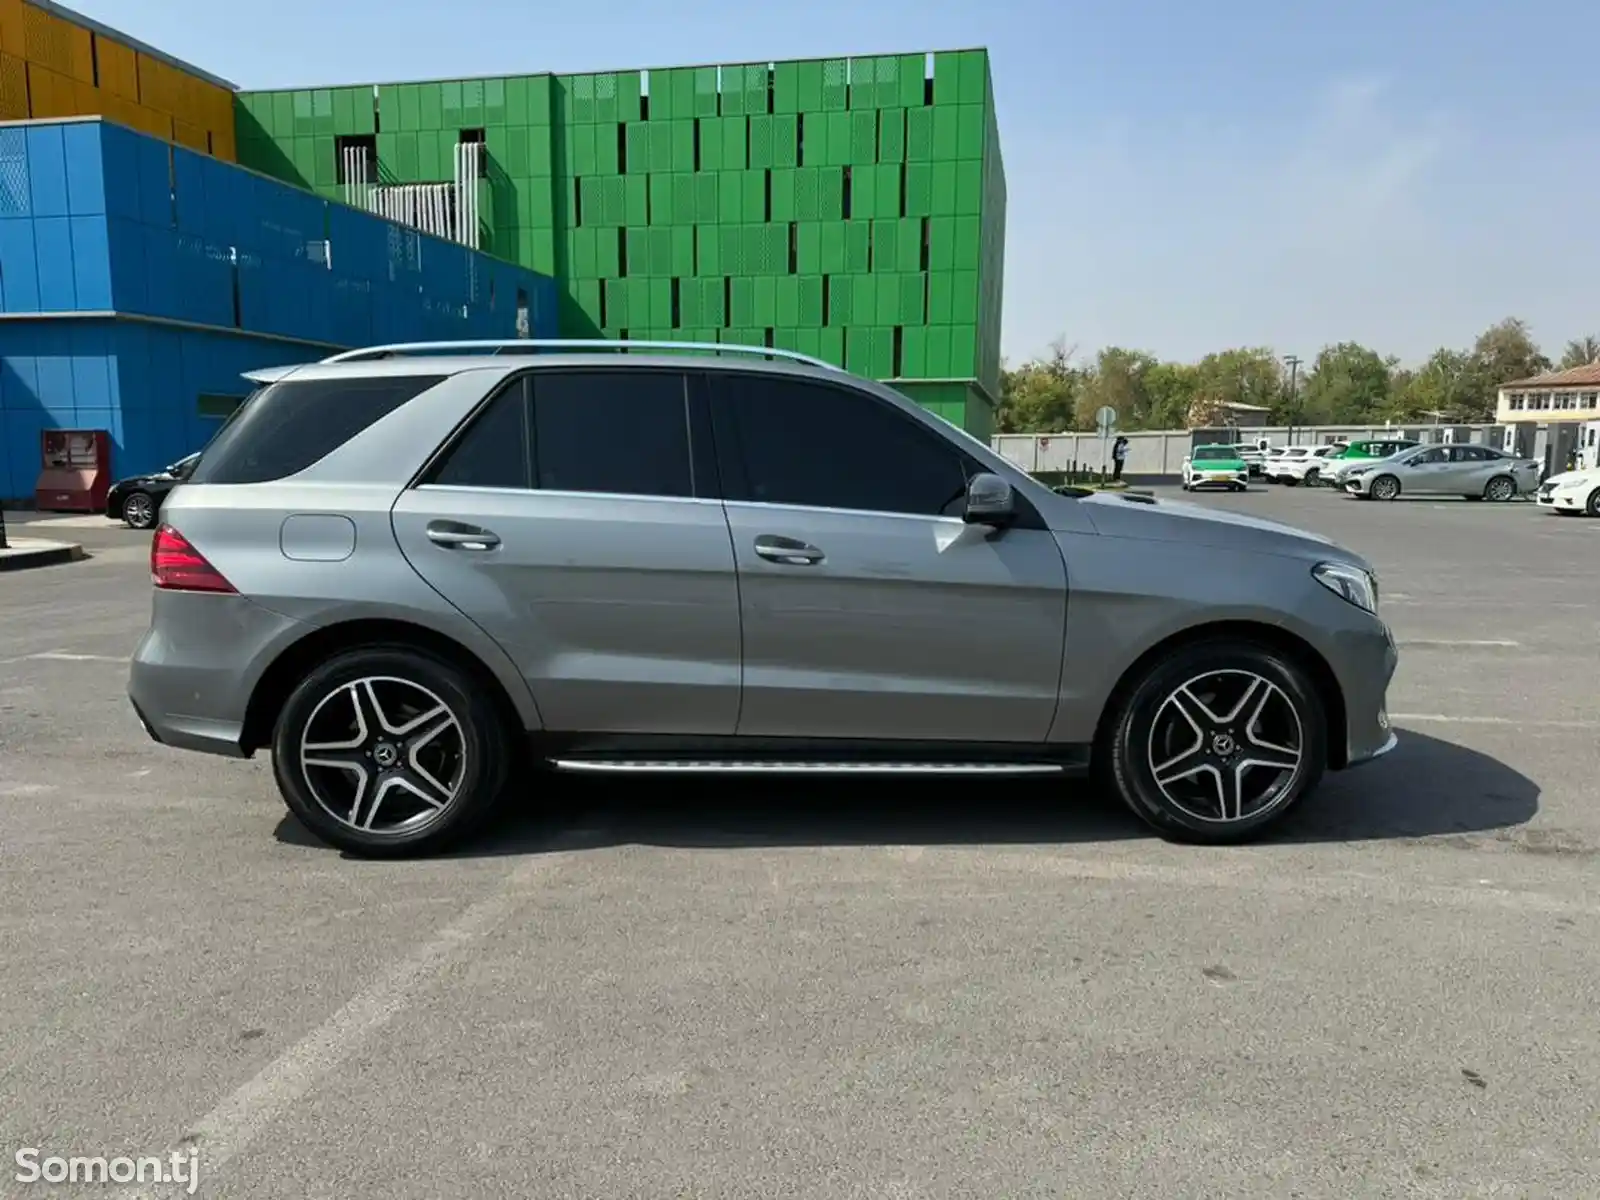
(1469, 454)
(494, 451)
(1436, 455)
(615, 431)
(285, 428)
(822, 446)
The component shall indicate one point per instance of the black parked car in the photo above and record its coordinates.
(137, 500)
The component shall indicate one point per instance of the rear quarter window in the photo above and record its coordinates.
(287, 427)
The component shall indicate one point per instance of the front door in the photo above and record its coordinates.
(1429, 471)
(573, 523)
(870, 609)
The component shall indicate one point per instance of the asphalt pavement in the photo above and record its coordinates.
(786, 989)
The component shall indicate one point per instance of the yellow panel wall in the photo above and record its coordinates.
(52, 67)
(13, 88)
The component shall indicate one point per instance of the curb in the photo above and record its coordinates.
(25, 553)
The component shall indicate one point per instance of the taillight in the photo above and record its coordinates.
(176, 566)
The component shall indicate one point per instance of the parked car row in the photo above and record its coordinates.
(1387, 468)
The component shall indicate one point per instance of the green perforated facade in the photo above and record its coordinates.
(853, 209)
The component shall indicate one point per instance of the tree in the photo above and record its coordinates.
(1580, 352)
(1347, 383)
(1117, 381)
(1504, 352)
(1040, 396)
(1250, 375)
(1440, 386)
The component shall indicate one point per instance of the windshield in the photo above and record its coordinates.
(1215, 454)
(1295, 452)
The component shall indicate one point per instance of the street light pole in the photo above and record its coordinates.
(1294, 375)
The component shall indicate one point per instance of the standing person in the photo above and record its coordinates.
(1119, 456)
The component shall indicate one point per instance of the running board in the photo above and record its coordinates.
(764, 767)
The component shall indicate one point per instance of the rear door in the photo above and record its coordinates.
(1475, 466)
(576, 519)
(870, 608)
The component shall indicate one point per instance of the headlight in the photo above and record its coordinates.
(1351, 583)
(1351, 472)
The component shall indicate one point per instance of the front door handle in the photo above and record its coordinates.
(455, 536)
(787, 551)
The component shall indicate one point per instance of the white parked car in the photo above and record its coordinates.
(1571, 492)
(1301, 464)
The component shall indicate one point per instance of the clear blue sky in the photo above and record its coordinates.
(1183, 176)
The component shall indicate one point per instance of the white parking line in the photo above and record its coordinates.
(1453, 643)
(229, 1128)
(1520, 722)
(64, 656)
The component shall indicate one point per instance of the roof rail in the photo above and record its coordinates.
(557, 345)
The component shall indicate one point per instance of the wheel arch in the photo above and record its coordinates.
(292, 665)
(1373, 482)
(1495, 478)
(1272, 637)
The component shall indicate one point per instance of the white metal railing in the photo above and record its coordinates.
(444, 210)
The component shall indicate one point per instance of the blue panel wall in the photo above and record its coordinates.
(54, 251)
(141, 383)
(97, 218)
(182, 226)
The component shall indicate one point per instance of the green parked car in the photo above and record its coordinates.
(1358, 454)
(1215, 466)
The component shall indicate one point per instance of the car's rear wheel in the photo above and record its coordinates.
(1384, 487)
(139, 510)
(1500, 489)
(1218, 741)
(386, 751)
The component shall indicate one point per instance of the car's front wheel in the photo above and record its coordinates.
(1384, 487)
(1593, 505)
(386, 751)
(1217, 741)
(139, 510)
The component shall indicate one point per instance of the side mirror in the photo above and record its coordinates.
(990, 501)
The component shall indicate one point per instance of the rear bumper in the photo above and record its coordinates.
(197, 666)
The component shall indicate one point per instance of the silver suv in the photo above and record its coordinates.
(415, 573)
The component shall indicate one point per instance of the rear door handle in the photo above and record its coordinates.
(787, 551)
(455, 536)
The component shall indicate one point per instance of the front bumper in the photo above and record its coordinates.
(1219, 479)
(197, 666)
(1573, 501)
(1367, 660)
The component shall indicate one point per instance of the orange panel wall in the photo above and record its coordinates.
(52, 67)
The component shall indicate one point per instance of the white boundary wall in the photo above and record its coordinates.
(1160, 452)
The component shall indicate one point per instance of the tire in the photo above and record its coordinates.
(1290, 481)
(1293, 723)
(1591, 507)
(1384, 487)
(139, 510)
(1313, 477)
(1500, 489)
(422, 788)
